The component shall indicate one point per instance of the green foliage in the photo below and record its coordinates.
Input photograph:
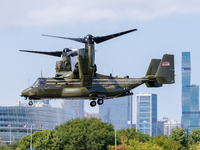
(92, 133)
(83, 134)
(136, 145)
(132, 134)
(74, 134)
(195, 146)
(12, 146)
(24, 143)
(43, 140)
(40, 140)
(194, 137)
(179, 135)
(167, 143)
(125, 144)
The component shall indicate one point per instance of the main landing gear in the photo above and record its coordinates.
(30, 102)
(99, 102)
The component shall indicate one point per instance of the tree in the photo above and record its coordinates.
(132, 134)
(125, 144)
(83, 134)
(43, 140)
(166, 143)
(74, 134)
(24, 143)
(136, 145)
(40, 140)
(179, 135)
(194, 136)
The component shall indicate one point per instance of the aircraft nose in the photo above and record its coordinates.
(25, 92)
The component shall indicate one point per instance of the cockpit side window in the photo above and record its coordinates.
(35, 84)
(39, 83)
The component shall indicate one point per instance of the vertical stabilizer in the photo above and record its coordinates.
(165, 72)
(153, 67)
(151, 72)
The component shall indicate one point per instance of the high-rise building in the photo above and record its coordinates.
(118, 112)
(146, 118)
(190, 96)
(169, 125)
(76, 105)
(160, 125)
(17, 121)
(166, 125)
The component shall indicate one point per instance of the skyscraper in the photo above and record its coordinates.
(190, 96)
(76, 105)
(118, 112)
(146, 118)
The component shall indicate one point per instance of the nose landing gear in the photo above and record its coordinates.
(92, 103)
(99, 102)
(30, 103)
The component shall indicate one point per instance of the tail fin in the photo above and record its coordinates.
(153, 67)
(151, 72)
(165, 72)
(161, 71)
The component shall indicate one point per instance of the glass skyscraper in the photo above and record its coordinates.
(146, 118)
(190, 96)
(117, 111)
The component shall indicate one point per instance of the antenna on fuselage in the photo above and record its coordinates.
(112, 69)
(41, 74)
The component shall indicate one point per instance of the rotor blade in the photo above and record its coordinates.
(82, 40)
(99, 39)
(56, 53)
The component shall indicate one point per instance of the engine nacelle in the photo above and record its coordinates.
(86, 67)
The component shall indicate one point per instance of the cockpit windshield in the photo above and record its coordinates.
(40, 82)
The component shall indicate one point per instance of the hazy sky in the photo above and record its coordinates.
(165, 26)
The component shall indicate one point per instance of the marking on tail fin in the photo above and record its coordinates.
(165, 63)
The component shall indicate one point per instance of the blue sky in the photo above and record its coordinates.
(163, 27)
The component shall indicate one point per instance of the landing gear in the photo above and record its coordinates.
(100, 101)
(30, 103)
(92, 103)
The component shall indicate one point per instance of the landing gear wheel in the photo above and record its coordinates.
(30, 103)
(100, 101)
(92, 103)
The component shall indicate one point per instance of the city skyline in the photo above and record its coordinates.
(163, 27)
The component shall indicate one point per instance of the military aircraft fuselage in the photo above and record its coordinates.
(104, 87)
(84, 83)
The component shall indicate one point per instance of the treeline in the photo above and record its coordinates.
(93, 134)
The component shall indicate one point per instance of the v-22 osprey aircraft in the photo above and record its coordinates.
(83, 82)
